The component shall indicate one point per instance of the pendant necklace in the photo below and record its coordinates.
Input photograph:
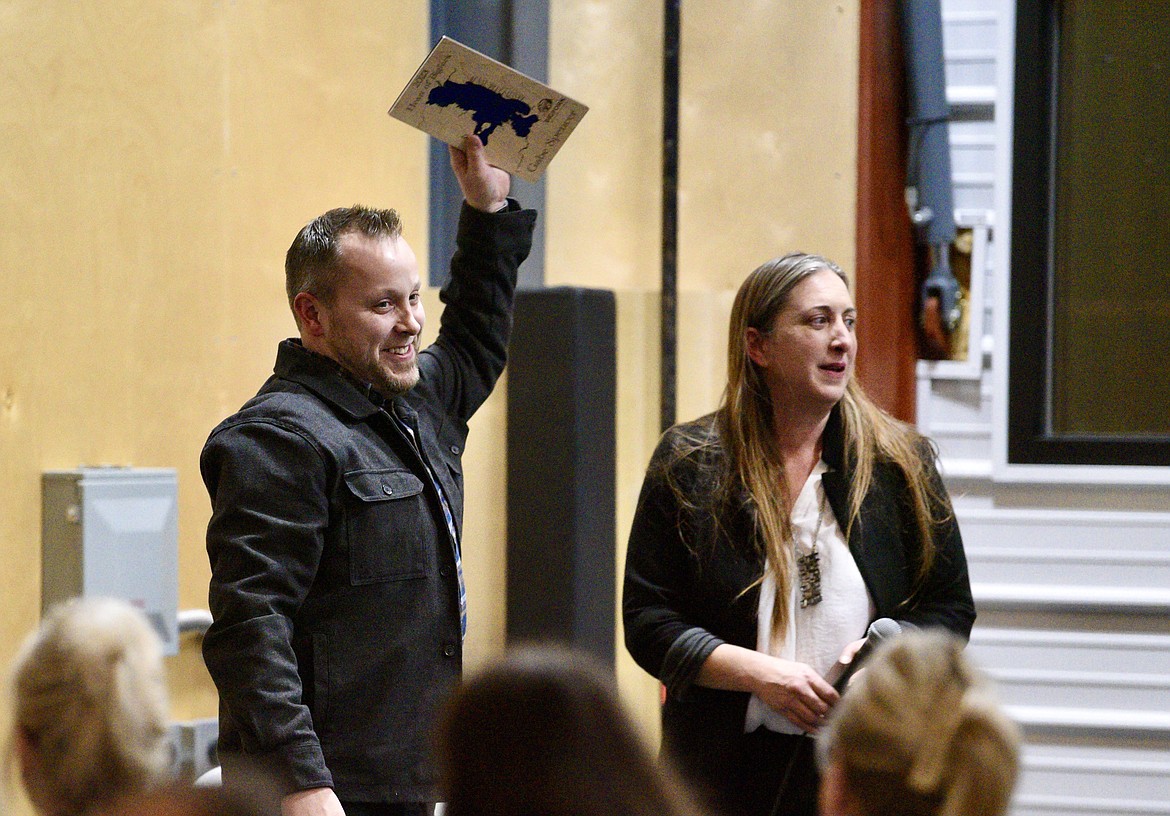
(808, 565)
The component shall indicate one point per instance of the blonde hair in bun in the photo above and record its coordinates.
(920, 732)
(89, 707)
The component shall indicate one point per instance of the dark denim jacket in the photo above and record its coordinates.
(333, 588)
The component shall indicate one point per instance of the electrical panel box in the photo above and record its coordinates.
(113, 531)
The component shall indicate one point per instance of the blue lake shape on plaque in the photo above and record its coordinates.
(489, 109)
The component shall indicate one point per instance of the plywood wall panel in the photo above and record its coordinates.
(604, 187)
(157, 159)
(155, 162)
(768, 129)
(767, 165)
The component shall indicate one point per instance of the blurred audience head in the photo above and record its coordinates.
(541, 733)
(89, 708)
(919, 732)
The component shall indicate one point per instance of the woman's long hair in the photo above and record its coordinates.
(753, 468)
(921, 733)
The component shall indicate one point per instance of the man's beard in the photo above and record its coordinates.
(380, 375)
(394, 383)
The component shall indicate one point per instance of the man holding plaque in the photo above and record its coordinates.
(337, 503)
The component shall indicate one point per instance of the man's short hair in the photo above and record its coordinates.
(311, 263)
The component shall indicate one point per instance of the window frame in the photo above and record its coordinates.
(1026, 450)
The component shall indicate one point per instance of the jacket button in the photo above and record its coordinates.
(455, 449)
(444, 571)
(387, 489)
(449, 650)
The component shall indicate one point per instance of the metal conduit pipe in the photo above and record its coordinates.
(669, 303)
(929, 186)
(194, 620)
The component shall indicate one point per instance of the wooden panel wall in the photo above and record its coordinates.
(157, 159)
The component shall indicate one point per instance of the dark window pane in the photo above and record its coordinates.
(1110, 290)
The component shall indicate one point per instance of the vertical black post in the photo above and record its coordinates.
(562, 453)
(669, 313)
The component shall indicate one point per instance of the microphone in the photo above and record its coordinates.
(880, 630)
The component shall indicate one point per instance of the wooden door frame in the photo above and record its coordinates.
(885, 287)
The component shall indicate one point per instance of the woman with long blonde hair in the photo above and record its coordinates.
(771, 533)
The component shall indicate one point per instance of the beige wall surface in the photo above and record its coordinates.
(156, 159)
(767, 139)
(768, 144)
(638, 368)
(604, 194)
(768, 129)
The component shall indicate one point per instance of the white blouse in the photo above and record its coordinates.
(818, 632)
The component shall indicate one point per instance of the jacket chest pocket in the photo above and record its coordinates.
(386, 524)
